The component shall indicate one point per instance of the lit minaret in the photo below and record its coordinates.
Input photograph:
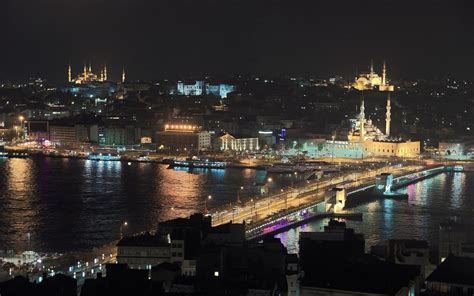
(384, 74)
(123, 75)
(69, 73)
(371, 67)
(90, 67)
(362, 120)
(101, 75)
(85, 69)
(105, 72)
(388, 117)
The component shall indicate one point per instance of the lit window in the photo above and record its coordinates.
(216, 273)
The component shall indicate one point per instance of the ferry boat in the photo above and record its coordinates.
(198, 163)
(104, 156)
(13, 153)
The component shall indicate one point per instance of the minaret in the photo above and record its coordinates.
(69, 73)
(101, 75)
(105, 72)
(85, 69)
(371, 67)
(384, 74)
(388, 118)
(362, 120)
(123, 75)
(90, 67)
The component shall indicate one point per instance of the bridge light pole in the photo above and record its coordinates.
(238, 193)
(209, 197)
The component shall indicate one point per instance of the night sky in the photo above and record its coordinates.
(167, 38)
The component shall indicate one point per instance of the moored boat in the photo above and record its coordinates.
(199, 163)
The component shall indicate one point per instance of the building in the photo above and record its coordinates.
(452, 235)
(365, 140)
(37, 130)
(244, 268)
(121, 280)
(183, 137)
(371, 80)
(368, 278)
(63, 136)
(229, 142)
(410, 252)
(87, 75)
(336, 241)
(334, 262)
(200, 87)
(452, 150)
(59, 284)
(226, 233)
(195, 221)
(454, 276)
(143, 251)
(117, 135)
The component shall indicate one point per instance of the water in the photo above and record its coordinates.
(430, 202)
(69, 204)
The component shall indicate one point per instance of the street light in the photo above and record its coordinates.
(124, 224)
(21, 118)
(238, 193)
(209, 197)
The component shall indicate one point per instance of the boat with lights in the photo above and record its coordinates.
(205, 163)
(104, 156)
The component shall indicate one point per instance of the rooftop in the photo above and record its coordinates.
(369, 277)
(455, 270)
(144, 240)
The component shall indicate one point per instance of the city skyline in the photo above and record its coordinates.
(161, 39)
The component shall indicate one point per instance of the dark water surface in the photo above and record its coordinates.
(69, 204)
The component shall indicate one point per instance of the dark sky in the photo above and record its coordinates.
(163, 38)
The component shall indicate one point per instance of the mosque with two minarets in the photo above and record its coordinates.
(364, 138)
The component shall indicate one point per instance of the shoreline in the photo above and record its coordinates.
(158, 160)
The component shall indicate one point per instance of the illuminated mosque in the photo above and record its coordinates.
(365, 140)
(372, 80)
(91, 85)
(88, 76)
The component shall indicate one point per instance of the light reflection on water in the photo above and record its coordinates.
(71, 204)
(429, 202)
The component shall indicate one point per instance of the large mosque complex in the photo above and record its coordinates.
(87, 76)
(365, 140)
(372, 80)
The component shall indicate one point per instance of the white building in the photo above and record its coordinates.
(228, 142)
(200, 88)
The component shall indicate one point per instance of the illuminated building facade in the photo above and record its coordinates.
(371, 80)
(200, 88)
(228, 142)
(183, 137)
(365, 140)
(62, 135)
(453, 150)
